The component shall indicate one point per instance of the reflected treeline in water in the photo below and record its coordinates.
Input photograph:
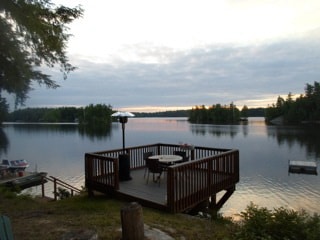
(98, 131)
(217, 130)
(92, 132)
(39, 127)
(304, 136)
(4, 142)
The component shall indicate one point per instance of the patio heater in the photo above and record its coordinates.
(124, 158)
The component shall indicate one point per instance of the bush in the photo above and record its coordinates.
(281, 223)
(62, 193)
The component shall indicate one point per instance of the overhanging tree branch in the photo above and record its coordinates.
(33, 33)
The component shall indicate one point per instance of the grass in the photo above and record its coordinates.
(34, 218)
(38, 219)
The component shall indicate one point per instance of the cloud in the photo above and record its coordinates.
(172, 54)
(208, 75)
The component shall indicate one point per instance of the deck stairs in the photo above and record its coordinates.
(61, 189)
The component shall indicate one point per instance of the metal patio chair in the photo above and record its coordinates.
(154, 167)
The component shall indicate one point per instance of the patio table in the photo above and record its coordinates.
(167, 159)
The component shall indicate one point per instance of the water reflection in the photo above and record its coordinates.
(44, 128)
(216, 130)
(4, 142)
(92, 132)
(264, 153)
(96, 131)
(307, 137)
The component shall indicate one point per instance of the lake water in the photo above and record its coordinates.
(264, 153)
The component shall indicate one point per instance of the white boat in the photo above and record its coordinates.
(306, 167)
(14, 165)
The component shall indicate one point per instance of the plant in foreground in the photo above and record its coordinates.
(261, 223)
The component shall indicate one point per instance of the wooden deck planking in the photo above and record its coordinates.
(138, 187)
(152, 192)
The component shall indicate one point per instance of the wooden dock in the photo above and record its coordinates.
(23, 181)
(306, 167)
(183, 187)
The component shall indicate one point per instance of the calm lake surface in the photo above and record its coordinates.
(264, 153)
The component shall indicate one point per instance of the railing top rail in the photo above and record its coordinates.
(120, 150)
(62, 183)
(100, 156)
(205, 158)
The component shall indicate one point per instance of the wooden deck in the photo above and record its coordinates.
(182, 187)
(150, 193)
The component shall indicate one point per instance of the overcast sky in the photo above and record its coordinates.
(143, 55)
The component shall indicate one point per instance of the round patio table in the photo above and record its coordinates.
(167, 159)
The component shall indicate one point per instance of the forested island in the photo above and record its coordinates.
(218, 114)
(304, 109)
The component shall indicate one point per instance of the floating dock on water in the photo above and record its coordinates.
(306, 167)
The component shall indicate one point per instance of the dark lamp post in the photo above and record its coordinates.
(124, 160)
(123, 121)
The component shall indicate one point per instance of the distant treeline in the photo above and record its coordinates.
(177, 113)
(256, 112)
(251, 112)
(100, 114)
(90, 115)
(305, 108)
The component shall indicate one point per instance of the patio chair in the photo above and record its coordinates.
(154, 167)
(146, 155)
(183, 154)
(5, 228)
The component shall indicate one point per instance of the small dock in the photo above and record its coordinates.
(23, 180)
(305, 167)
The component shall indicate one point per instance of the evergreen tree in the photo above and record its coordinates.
(244, 111)
(216, 114)
(305, 108)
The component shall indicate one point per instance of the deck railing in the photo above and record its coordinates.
(191, 183)
(58, 183)
(101, 173)
(188, 184)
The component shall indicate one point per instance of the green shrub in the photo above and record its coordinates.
(7, 192)
(62, 193)
(261, 223)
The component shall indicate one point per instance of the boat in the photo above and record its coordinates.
(14, 165)
(306, 167)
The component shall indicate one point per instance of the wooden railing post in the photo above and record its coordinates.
(55, 189)
(42, 187)
(192, 154)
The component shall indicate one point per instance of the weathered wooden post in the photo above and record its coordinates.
(42, 186)
(55, 189)
(192, 154)
(132, 222)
